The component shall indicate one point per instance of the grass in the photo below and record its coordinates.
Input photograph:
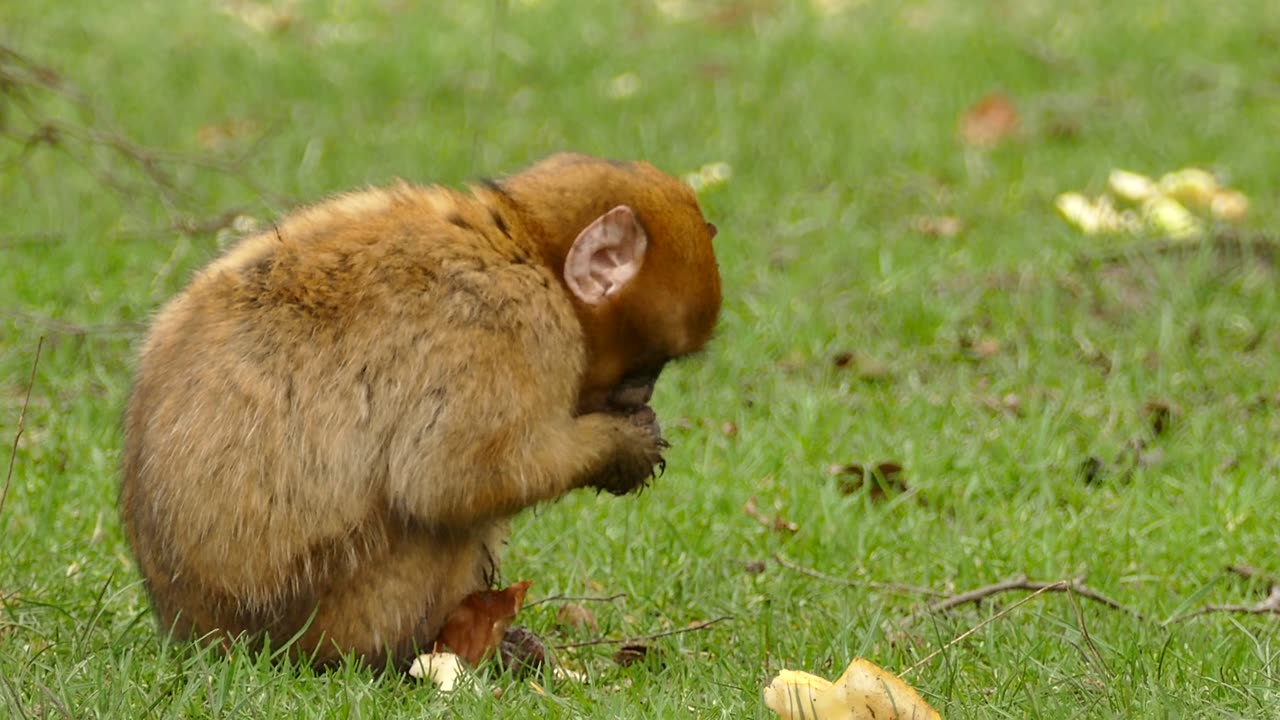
(991, 365)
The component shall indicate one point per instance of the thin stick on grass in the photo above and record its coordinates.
(577, 598)
(1269, 606)
(22, 416)
(894, 587)
(1084, 632)
(1060, 585)
(1021, 583)
(703, 625)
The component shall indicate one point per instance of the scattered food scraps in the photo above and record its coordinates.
(1177, 205)
(864, 692)
(444, 669)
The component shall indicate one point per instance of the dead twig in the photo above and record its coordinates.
(62, 327)
(892, 587)
(1269, 606)
(1021, 583)
(577, 598)
(1248, 572)
(1061, 584)
(92, 143)
(1084, 632)
(22, 416)
(644, 638)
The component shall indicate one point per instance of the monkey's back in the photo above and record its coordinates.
(310, 388)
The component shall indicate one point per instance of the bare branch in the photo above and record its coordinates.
(1269, 606)
(960, 638)
(643, 638)
(577, 598)
(1021, 583)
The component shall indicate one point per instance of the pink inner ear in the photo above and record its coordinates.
(605, 255)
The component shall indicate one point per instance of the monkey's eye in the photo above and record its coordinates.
(711, 228)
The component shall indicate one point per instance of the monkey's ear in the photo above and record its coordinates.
(605, 256)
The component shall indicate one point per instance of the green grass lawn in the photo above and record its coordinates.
(994, 365)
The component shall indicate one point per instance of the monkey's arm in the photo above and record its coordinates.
(494, 469)
(490, 423)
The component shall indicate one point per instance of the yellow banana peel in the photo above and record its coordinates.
(864, 692)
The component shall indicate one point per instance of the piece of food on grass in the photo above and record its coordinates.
(1229, 205)
(1168, 216)
(1190, 186)
(864, 692)
(1131, 186)
(444, 669)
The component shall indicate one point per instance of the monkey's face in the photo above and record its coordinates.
(635, 254)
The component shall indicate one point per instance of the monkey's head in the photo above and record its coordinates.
(634, 252)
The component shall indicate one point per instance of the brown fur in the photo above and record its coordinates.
(334, 421)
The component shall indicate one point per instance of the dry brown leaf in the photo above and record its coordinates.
(217, 136)
(777, 523)
(476, 628)
(573, 615)
(631, 654)
(890, 472)
(990, 121)
(522, 651)
(1161, 415)
(943, 226)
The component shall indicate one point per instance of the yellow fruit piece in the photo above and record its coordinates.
(1131, 186)
(1191, 186)
(864, 692)
(1095, 217)
(1229, 205)
(1168, 216)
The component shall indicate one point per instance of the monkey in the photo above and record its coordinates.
(330, 428)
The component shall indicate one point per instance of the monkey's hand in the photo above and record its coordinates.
(638, 454)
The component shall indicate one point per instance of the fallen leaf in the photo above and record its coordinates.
(729, 428)
(885, 477)
(1091, 469)
(754, 567)
(1160, 415)
(866, 368)
(777, 523)
(979, 349)
(522, 651)
(217, 136)
(476, 628)
(943, 226)
(864, 692)
(629, 655)
(990, 121)
(573, 615)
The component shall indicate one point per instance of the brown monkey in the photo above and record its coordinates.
(331, 425)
